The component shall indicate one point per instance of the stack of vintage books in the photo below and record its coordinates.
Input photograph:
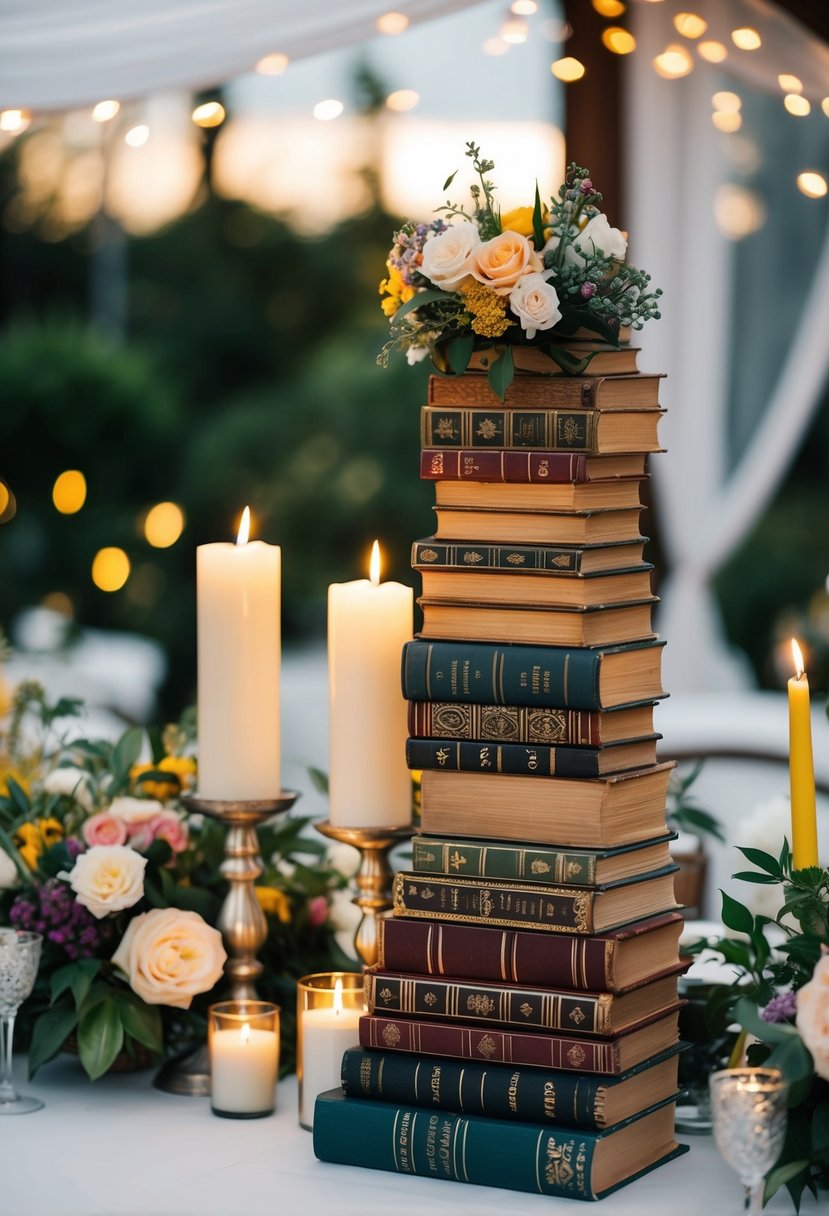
(523, 1017)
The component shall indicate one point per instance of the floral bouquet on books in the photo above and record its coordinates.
(97, 855)
(537, 276)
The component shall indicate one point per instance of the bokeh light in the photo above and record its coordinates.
(812, 184)
(273, 64)
(673, 63)
(618, 40)
(105, 110)
(110, 569)
(746, 39)
(392, 23)
(712, 51)
(690, 25)
(163, 524)
(69, 492)
(210, 114)
(568, 69)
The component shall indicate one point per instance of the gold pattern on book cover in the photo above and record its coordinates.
(391, 1035)
(486, 1046)
(428, 555)
(430, 999)
(446, 428)
(516, 559)
(576, 1055)
(558, 1170)
(479, 1004)
(457, 860)
(472, 559)
(487, 429)
(577, 1015)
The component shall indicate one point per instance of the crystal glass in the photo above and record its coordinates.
(19, 960)
(243, 1040)
(329, 1006)
(748, 1109)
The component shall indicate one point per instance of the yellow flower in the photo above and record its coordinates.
(6, 698)
(274, 902)
(15, 775)
(390, 305)
(488, 310)
(51, 831)
(520, 219)
(33, 838)
(182, 768)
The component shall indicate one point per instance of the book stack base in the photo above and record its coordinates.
(523, 1016)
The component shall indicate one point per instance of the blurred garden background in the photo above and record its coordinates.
(189, 321)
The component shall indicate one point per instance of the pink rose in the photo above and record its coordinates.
(104, 828)
(167, 826)
(317, 911)
(813, 1015)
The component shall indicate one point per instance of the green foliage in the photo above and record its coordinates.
(682, 812)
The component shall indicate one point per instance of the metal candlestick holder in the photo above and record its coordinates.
(373, 878)
(241, 921)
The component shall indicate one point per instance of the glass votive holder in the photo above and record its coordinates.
(328, 1009)
(243, 1040)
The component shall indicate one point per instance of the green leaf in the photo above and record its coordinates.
(449, 181)
(820, 1128)
(748, 1015)
(8, 846)
(763, 861)
(51, 1031)
(501, 373)
(124, 756)
(140, 1021)
(735, 916)
(755, 876)
(76, 977)
(157, 775)
(18, 796)
(538, 222)
(792, 1058)
(568, 362)
(782, 1175)
(100, 1038)
(430, 296)
(319, 780)
(459, 352)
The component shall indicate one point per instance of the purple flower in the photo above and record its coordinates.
(780, 1008)
(588, 290)
(71, 929)
(586, 186)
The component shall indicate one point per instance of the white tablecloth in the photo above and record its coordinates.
(121, 1148)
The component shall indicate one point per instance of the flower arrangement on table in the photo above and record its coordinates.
(97, 855)
(781, 1001)
(529, 277)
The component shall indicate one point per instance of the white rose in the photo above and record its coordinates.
(813, 1016)
(447, 257)
(170, 956)
(535, 302)
(70, 782)
(135, 811)
(596, 234)
(107, 878)
(9, 877)
(416, 354)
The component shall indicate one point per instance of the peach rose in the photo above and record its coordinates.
(108, 878)
(168, 826)
(813, 1016)
(500, 262)
(535, 302)
(169, 956)
(104, 828)
(447, 257)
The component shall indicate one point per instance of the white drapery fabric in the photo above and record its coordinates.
(676, 164)
(65, 54)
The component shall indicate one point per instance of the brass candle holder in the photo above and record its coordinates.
(373, 879)
(241, 921)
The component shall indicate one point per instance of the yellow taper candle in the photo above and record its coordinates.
(801, 767)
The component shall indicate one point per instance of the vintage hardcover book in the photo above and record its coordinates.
(523, 724)
(432, 554)
(529, 759)
(528, 905)
(596, 1013)
(612, 494)
(594, 432)
(504, 464)
(537, 624)
(541, 676)
(514, 587)
(535, 527)
(546, 392)
(575, 1164)
(609, 962)
(461, 858)
(595, 813)
(605, 360)
(535, 1095)
(539, 1049)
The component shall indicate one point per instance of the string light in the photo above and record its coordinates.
(712, 51)
(69, 492)
(163, 524)
(727, 102)
(568, 69)
(727, 121)
(514, 31)
(392, 23)
(797, 105)
(790, 84)
(104, 111)
(738, 212)
(618, 40)
(402, 100)
(813, 185)
(523, 8)
(495, 46)
(5, 499)
(690, 25)
(824, 105)
(110, 569)
(609, 8)
(13, 122)
(273, 64)
(136, 137)
(746, 39)
(210, 114)
(673, 63)
(326, 110)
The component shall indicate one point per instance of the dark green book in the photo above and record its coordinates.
(502, 1091)
(454, 856)
(559, 676)
(432, 553)
(529, 759)
(491, 1152)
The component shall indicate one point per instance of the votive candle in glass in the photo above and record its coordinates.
(329, 1007)
(243, 1039)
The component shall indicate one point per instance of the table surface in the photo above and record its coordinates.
(121, 1148)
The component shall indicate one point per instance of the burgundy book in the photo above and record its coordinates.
(610, 962)
(566, 1052)
(502, 464)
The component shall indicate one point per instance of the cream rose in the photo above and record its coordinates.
(135, 812)
(170, 956)
(70, 782)
(535, 302)
(9, 877)
(813, 1016)
(107, 878)
(501, 262)
(447, 257)
(596, 234)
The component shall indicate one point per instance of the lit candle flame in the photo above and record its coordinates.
(244, 1033)
(338, 986)
(374, 565)
(798, 660)
(244, 528)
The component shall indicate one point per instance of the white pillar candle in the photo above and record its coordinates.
(368, 623)
(243, 1067)
(326, 1035)
(238, 597)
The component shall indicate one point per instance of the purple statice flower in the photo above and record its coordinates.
(52, 911)
(407, 252)
(780, 1008)
(588, 290)
(586, 186)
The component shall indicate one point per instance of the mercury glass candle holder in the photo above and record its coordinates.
(243, 1041)
(748, 1111)
(328, 1009)
(19, 961)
